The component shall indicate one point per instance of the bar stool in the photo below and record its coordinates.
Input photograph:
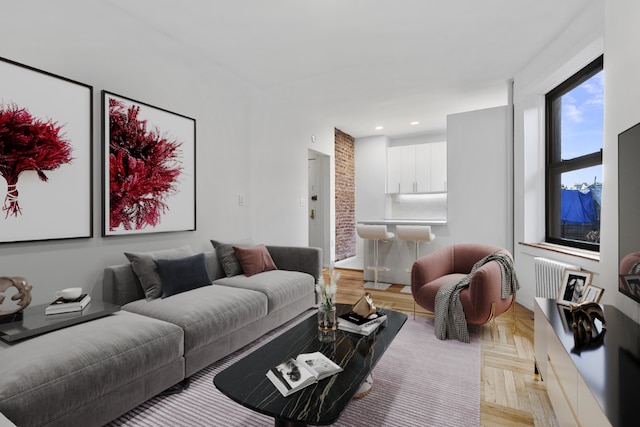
(417, 233)
(376, 233)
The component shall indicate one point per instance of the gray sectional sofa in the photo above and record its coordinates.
(90, 374)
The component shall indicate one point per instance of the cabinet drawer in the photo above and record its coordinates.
(563, 412)
(589, 411)
(563, 369)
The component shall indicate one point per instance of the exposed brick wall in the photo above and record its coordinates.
(345, 195)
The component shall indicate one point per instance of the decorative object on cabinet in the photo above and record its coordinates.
(149, 168)
(574, 283)
(45, 155)
(585, 330)
(22, 297)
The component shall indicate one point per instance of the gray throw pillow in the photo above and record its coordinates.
(227, 257)
(147, 271)
(183, 274)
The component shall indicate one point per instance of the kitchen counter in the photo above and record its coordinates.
(395, 254)
(405, 222)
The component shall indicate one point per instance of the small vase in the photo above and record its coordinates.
(327, 324)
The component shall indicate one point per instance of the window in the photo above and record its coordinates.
(574, 135)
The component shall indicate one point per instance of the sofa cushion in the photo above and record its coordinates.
(66, 370)
(183, 274)
(228, 258)
(255, 259)
(206, 313)
(281, 287)
(146, 269)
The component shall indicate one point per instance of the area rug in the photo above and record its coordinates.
(419, 381)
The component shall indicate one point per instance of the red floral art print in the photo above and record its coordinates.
(144, 168)
(28, 143)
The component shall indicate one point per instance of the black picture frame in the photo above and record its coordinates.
(51, 198)
(145, 189)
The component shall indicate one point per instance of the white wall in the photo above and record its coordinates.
(622, 91)
(478, 170)
(580, 43)
(370, 181)
(247, 144)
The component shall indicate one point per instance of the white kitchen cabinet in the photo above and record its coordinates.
(394, 169)
(419, 168)
(438, 166)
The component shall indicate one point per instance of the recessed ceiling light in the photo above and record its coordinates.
(379, 128)
(414, 123)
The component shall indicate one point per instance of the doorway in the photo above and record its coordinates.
(319, 206)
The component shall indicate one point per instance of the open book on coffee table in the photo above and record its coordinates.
(306, 369)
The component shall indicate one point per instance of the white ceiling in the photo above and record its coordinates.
(364, 63)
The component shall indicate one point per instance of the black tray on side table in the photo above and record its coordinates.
(35, 322)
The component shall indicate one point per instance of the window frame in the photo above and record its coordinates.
(555, 166)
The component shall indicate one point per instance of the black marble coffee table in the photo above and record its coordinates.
(319, 404)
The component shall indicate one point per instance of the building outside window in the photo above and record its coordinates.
(574, 138)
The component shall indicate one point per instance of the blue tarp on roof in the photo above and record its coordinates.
(578, 207)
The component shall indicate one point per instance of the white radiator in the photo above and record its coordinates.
(548, 274)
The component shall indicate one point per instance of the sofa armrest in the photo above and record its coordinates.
(120, 285)
(298, 258)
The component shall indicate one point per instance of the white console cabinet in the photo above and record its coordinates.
(592, 387)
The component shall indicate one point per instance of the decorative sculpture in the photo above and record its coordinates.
(585, 331)
(23, 297)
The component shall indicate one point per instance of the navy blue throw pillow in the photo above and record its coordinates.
(183, 274)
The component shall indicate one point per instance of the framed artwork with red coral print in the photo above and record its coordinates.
(149, 168)
(46, 139)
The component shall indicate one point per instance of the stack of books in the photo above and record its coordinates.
(353, 322)
(306, 369)
(62, 305)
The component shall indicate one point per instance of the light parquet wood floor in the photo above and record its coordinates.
(510, 395)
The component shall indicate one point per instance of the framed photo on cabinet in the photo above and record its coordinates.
(574, 283)
(149, 168)
(46, 139)
(592, 293)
